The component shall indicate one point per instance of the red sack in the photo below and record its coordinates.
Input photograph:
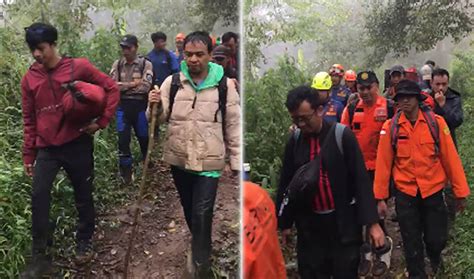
(83, 101)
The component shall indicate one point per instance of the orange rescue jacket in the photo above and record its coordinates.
(366, 125)
(416, 164)
(262, 254)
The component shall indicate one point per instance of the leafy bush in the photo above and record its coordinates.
(267, 120)
(460, 260)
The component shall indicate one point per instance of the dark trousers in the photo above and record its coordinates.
(131, 113)
(320, 252)
(76, 158)
(422, 220)
(381, 220)
(197, 195)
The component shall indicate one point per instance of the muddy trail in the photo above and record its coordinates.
(397, 266)
(163, 239)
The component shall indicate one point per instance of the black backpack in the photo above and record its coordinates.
(222, 88)
(304, 177)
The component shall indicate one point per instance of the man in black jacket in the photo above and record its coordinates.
(329, 221)
(447, 101)
(448, 105)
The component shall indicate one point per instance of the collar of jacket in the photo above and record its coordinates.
(322, 134)
(37, 67)
(214, 75)
(158, 52)
(135, 61)
(451, 93)
(403, 118)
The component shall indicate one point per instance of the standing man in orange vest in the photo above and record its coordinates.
(365, 118)
(416, 148)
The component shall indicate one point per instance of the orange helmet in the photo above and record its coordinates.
(350, 75)
(180, 37)
(336, 69)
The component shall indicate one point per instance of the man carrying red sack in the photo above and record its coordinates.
(56, 136)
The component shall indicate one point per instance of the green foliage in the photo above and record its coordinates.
(460, 260)
(72, 19)
(227, 10)
(334, 27)
(102, 49)
(462, 78)
(267, 120)
(399, 26)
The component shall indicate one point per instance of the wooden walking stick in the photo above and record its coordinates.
(137, 209)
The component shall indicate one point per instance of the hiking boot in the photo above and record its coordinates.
(189, 270)
(365, 264)
(126, 174)
(84, 252)
(382, 258)
(39, 266)
(437, 267)
(203, 272)
(151, 165)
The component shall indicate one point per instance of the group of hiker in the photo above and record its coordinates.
(66, 100)
(351, 150)
(136, 75)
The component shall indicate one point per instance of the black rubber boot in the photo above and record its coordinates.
(39, 266)
(84, 252)
(126, 174)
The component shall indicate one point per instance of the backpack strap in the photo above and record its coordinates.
(296, 135)
(168, 59)
(430, 118)
(222, 89)
(351, 109)
(175, 86)
(142, 66)
(119, 70)
(339, 131)
(390, 108)
(394, 129)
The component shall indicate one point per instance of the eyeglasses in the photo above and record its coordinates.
(303, 118)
